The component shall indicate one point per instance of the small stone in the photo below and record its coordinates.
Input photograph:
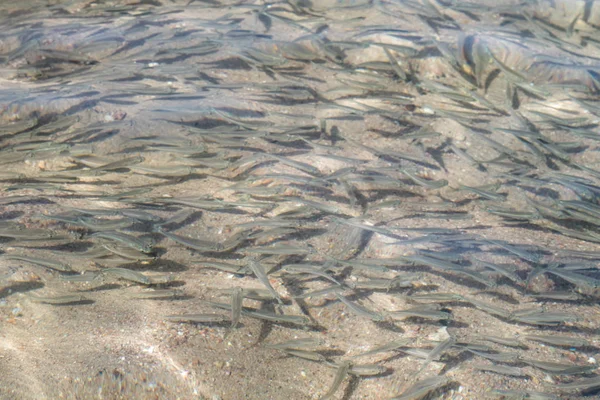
(441, 335)
(428, 111)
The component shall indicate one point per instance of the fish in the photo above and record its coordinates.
(581, 386)
(543, 317)
(86, 276)
(396, 344)
(198, 318)
(429, 184)
(558, 340)
(436, 297)
(237, 298)
(576, 279)
(125, 239)
(558, 295)
(109, 225)
(511, 342)
(422, 388)
(248, 293)
(511, 74)
(259, 271)
(57, 300)
(127, 252)
(307, 355)
(265, 315)
(279, 318)
(44, 262)
(322, 292)
(367, 369)
(501, 369)
(195, 244)
(534, 258)
(354, 222)
(341, 373)
(498, 357)
(488, 308)
(359, 309)
(437, 352)
(421, 312)
(484, 193)
(396, 64)
(324, 207)
(558, 368)
(522, 394)
(503, 271)
(231, 268)
(157, 294)
(309, 169)
(119, 164)
(281, 249)
(311, 270)
(125, 274)
(464, 155)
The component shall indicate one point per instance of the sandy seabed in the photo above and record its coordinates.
(433, 165)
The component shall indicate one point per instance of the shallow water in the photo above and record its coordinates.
(429, 169)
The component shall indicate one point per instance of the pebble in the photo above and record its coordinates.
(441, 335)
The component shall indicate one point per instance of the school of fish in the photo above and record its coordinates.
(420, 176)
